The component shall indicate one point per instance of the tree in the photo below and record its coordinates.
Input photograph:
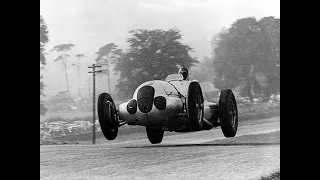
(204, 71)
(225, 74)
(79, 56)
(61, 101)
(105, 56)
(271, 70)
(246, 52)
(43, 40)
(62, 49)
(152, 54)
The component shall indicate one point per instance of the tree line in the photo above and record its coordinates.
(245, 56)
(43, 40)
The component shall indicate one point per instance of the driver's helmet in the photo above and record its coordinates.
(184, 72)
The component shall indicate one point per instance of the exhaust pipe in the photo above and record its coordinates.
(207, 125)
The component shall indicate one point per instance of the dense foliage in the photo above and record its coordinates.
(248, 55)
(43, 40)
(106, 55)
(152, 54)
(63, 49)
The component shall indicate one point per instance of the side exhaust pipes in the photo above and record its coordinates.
(207, 125)
(207, 122)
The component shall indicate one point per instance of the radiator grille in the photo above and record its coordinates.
(145, 98)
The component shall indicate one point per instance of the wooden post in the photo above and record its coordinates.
(94, 103)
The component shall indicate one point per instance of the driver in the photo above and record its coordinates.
(184, 72)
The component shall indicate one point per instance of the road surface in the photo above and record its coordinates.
(197, 155)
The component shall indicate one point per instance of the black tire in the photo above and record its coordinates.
(228, 113)
(195, 107)
(107, 116)
(155, 136)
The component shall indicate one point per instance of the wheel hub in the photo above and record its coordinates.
(232, 112)
(199, 106)
(113, 113)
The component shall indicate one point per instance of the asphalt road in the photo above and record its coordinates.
(198, 155)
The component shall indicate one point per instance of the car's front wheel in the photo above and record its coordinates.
(107, 116)
(195, 107)
(155, 136)
(228, 113)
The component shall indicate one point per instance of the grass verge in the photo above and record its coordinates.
(139, 132)
(273, 176)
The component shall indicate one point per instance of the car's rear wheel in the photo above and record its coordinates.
(155, 136)
(195, 107)
(228, 113)
(107, 116)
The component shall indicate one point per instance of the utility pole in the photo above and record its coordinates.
(94, 102)
(89, 86)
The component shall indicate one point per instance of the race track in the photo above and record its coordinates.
(198, 155)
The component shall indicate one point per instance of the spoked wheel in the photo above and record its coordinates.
(155, 136)
(107, 114)
(195, 107)
(228, 113)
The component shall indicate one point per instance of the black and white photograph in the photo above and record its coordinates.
(160, 89)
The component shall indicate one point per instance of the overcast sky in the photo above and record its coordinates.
(90, 24)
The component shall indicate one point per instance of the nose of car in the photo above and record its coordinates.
(145, 98)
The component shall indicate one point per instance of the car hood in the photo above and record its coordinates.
(164, 88)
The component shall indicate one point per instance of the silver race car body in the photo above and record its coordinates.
(170, 105)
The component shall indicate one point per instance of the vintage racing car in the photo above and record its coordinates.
(170, 105)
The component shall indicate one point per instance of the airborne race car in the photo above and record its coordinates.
(170, 105)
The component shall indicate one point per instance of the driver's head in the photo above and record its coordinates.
(184, 72)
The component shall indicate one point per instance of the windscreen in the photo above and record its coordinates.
(174, 77)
